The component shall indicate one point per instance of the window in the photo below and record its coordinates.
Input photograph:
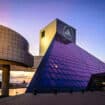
(97, 82)
(43, 34)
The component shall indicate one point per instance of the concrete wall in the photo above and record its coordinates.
(45, 40)
(37, 60)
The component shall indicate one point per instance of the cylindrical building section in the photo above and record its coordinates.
(14, 50)
(13, 47)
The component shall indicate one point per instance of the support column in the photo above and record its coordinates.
(5, 80)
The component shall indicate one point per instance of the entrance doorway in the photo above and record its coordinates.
(97, 82)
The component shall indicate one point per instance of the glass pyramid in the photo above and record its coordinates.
(65, 67)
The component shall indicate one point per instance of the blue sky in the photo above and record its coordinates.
(28, 16)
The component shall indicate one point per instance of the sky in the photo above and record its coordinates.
(28, 17)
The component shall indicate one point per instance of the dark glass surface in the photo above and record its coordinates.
(65, 68)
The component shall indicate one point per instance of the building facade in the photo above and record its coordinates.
(67, 33)
(65, 66)
(14, 48)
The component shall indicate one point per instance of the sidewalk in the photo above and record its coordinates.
(88, 98)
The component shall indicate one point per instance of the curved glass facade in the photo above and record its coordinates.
(65, 67)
